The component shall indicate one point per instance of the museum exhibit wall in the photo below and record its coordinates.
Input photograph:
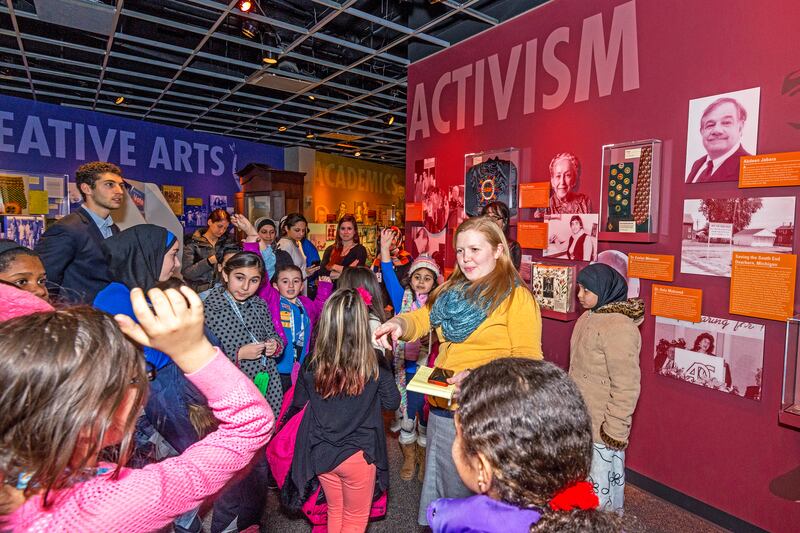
(572, 76)
(44, 139)
(334, 182)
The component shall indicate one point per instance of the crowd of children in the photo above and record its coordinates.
(525, 446)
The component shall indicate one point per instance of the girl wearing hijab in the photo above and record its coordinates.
(604, 362)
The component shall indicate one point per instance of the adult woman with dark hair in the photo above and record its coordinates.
(204, 251)
(498, 211)
(483, 312)
(704, 344)
(292, 230)
(265, 234)
(579, 246)
(346, 251)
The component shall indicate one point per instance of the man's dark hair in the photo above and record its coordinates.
(89, 173)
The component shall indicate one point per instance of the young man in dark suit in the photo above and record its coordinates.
(70, 249)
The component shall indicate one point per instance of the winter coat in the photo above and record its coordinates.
(604, 362)
(198, 273)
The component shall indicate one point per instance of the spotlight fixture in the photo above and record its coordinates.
(311, 97)
(245, 5)
(309, 134)
(281, 128)
(269, 58)
(249, 29)
(390, 121)
(119, 100)
(357, 154)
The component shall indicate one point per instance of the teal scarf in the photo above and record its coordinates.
(458, 315)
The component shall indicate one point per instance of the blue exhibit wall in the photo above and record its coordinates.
(39, 139)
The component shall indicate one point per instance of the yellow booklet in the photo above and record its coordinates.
(419, 383)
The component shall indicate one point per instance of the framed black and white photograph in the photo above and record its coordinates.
(722, 128)
(572, 237)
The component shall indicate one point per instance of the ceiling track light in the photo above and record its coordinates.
(245, 5)
(282, 128)
(357, 154)
(310, 134)
(390, 120)
(119, 100)
(268, 58)
(249, 29)
(311, 97)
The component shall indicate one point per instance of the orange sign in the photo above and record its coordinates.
(651, 266)
(532, 234)
(680, 303)
(536, 194)
(770, 170)
(762, 285)
(413, 212)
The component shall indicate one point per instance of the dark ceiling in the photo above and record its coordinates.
(340, 72)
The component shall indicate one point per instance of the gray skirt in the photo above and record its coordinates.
(441, 477)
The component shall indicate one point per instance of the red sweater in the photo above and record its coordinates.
(150, 498)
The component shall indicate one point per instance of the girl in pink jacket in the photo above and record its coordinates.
(71, 388)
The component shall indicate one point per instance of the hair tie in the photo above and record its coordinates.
(578, 496)
(365, 295)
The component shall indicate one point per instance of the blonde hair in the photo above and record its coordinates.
(494, 287)
(343, 359)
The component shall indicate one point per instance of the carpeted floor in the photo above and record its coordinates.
(644, 512)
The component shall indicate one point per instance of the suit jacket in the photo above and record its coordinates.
(727, 171)
(73, 259)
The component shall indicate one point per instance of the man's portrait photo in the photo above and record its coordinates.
(722, 128)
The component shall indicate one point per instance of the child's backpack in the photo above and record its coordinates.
(308, 500)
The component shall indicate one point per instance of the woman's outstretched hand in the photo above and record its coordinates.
(174, 326)
(388, 333)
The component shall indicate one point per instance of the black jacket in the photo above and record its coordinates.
(333, 429)
(198, 273)
(73, 259)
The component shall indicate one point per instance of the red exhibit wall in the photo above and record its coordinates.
(721, 449)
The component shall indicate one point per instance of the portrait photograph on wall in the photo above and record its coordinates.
(714, 228)
(565, 183)
(718, 353)
(424, 177)
(217, 201)
(455, 206)
(491, 176)
(571, 237)
(722, 128)
(196, 216)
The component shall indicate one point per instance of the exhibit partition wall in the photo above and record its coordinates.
(616, 131)
(195, 171)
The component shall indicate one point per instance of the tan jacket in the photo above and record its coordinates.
(604, 362)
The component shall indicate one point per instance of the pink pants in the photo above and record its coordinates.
(348, 490)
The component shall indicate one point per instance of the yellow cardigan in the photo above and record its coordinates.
(510, 330)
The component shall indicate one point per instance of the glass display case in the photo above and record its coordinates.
(790, 396)
(629, 190)
(491, 176)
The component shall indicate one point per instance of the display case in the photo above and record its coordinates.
(790, 396)
(553, 286)
(491, 176)
(630, 191)
(268, 192)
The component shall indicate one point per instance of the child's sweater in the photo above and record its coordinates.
(150, 498)
(270, 294)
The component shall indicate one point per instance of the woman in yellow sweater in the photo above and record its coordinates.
(483, 312)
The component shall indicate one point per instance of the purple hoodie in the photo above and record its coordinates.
(479, 514)
(270, 294)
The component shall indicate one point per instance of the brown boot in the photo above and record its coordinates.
(409, 460)
(421, 462)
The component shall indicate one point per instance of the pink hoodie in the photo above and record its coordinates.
(152, 497)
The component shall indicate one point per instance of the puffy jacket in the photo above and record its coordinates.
(197, 271)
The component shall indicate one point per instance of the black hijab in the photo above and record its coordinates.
(605, 282)
(135, 255)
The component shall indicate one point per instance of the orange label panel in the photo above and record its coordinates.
(532, 234)
(536, 194)
(680, 303)
(762, 285)
(414, 212)
(651, 266)
(770, 170)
